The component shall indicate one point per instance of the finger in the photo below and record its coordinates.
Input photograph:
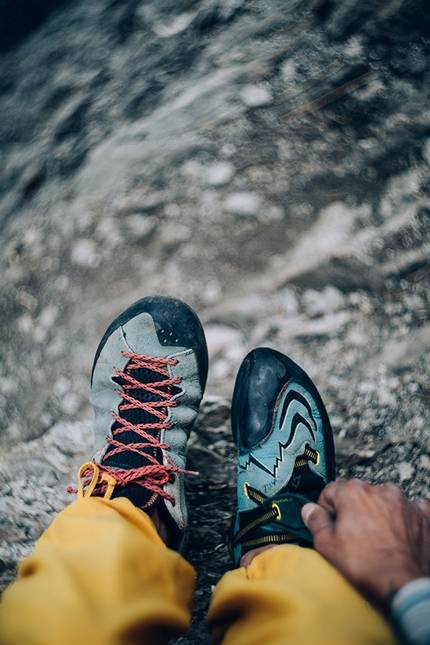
(316, 518)
(329, 495)
(338, 495)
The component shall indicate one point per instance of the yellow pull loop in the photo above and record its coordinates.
(89, 465)
(111, 481)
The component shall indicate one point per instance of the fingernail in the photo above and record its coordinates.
(307, 511)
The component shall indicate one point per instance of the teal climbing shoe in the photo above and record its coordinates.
(286, 451)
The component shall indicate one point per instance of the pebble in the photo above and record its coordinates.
(424, 462)
(139, 226)
(27, 300)
(174, 233)
(140, 203)
(48, 316)
(327, 301)
(219, 173)
(85, 253)
(178, 25)
(243, 203)
(255, 96)
(401, 354)
(406, 471)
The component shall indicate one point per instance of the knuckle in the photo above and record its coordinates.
(332, 486)
(357, 486)
(392, 490)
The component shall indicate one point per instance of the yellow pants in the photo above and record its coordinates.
(101, 575)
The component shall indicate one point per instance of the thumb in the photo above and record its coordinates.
(316, 518)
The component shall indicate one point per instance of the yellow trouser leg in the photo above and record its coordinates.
(100, 574)
(292, 596)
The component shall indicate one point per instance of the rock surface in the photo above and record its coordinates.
(266, 162)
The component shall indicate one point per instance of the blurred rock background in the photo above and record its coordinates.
(268, 163)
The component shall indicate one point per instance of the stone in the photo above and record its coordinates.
(327, 301)
(243, 203)
(139, 227)
(328, 325)
(401, 354)
(172, 234)
(140, 203)
(255, 96)
(27, 300)
(85, 253)
(212, 291)
(219, 173)
(424, 462)
(326, 254)
(177, 26)
(406, 471)
(48, 316)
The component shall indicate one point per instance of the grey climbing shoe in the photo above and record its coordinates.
(147, 382)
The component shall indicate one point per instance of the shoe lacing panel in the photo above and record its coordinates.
(270, 513)
(148, 400)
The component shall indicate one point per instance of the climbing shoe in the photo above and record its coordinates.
(286, 451)
(147, 382)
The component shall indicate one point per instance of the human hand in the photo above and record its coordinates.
(373, 535)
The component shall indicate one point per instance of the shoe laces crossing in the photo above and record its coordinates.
(153, 475)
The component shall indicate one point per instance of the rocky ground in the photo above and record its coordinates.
(268, 163)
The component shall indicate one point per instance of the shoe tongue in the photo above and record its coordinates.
(127, 459)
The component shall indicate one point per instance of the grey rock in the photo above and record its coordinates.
(326, 301)
(139, 227)
(326, 254)
(236, 312)
(140, 203)
(243, 203)
(255, 96)
(406, 471)
(219, 173)
(401, 354)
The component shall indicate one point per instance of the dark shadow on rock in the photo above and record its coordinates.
(18, 18)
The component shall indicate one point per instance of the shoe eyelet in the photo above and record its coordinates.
(278, 511)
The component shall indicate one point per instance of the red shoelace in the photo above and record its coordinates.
(154, 475)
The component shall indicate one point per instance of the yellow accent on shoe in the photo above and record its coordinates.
(111, 481)
(278, 510)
